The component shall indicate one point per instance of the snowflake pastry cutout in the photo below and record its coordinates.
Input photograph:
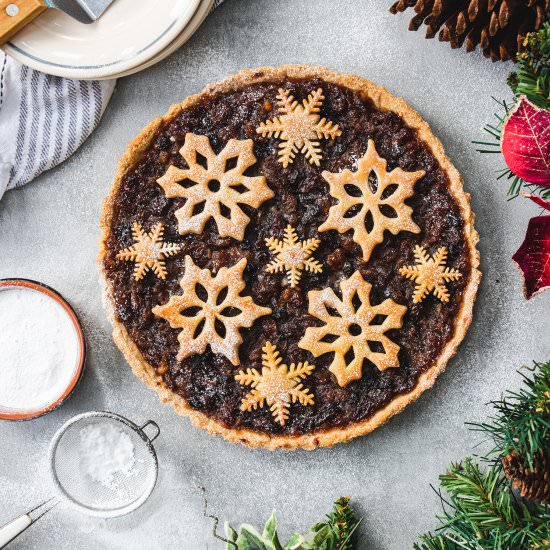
(148, 251)
(299, 127)
(293, 256)
(430, 274)
(213, 188)
(211, 311)
(353, 330)
(368, 203)
(278, 385)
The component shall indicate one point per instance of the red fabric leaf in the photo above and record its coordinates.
(525, 142)
(538, 200)
(533, 256)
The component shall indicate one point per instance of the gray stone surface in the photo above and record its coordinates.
(48, 231)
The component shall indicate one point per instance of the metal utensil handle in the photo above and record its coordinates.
(150, 423)
(13, 529)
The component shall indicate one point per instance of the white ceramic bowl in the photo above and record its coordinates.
(197, 20)
(130, 33)
(28, 414)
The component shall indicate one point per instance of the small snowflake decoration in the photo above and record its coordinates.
(211, 311)
(430, 274)
(148, 251)
(353, 330)
(212, 188)
(278, 385)
(293, 256)
(299, 127)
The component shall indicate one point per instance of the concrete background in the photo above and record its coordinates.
(48, 231)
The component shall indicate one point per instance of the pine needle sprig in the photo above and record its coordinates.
(532, 77)
(339, 526)
(481, 513)
(522, 419)
(517, 185)
(491, 508)
(494, 131)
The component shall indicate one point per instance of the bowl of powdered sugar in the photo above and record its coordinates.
(42, 349)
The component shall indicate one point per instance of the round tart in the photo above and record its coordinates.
(288, 257)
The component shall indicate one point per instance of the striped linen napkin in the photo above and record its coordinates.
(44, 119)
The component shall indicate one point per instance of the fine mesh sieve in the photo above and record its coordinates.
(124, 490)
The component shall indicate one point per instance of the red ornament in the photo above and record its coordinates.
(533, 256)
(525, 142)
(538, 200)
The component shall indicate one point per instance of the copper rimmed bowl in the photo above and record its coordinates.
(27, 414)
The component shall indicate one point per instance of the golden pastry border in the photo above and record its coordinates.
(382, 100)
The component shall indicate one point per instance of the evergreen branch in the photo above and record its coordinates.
(485, 514)
(522, 420)
(517, 184)
(482, 511)
(532, 77)
(341, 523)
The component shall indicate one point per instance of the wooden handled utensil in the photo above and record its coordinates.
(15, 14)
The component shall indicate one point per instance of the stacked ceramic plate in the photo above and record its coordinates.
(130, 36)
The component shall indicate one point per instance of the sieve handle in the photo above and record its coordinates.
(155, 426)
(13, 529)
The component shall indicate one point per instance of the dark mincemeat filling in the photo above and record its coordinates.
(301, 199)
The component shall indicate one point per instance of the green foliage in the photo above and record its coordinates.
(249, 539)
(516, 184)
(335, 533)
(522, 420)
(481, 511)
(493, 146)
(532, 77)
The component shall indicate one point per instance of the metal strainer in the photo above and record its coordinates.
(124, 490)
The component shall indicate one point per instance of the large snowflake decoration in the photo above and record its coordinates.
(277, 385)
(371, 200)
(293, 256)
(430, 274)
(214, 186)
(299, 127)
(211, 311)
(353, 330)
(148, 251)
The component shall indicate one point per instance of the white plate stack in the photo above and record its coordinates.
(130, 36)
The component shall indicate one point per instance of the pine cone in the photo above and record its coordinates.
(498, 26)
(532, 484)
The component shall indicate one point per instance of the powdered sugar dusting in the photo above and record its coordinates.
(106, 453)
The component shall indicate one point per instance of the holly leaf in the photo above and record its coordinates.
(231, 535)
(533, 257)
(525, 142)
(250, 539)
(270, 532)
(538, 200)
(295, 542)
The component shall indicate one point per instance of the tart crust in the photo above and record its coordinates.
(382, 100)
